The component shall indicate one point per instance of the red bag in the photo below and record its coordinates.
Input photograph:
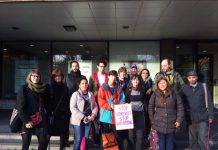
(83, 143)
(36, 118)
(154, 140)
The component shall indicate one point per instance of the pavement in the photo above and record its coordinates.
(12, 141)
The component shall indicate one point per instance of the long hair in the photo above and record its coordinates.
(161, 93)
(34, 71)
(140, 74)
(133, 77)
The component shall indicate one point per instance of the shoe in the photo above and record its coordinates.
(67, 144)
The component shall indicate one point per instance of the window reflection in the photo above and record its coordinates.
(18, 59)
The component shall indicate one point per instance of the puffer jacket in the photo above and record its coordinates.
(105, 98)
(163, 118)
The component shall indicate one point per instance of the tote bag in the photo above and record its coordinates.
(15, 122)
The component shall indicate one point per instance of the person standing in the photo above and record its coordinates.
(166, 113)
(122, 79)
(71, 82)
(59, 109)
(146, 83)
(110, 94)
(73, 77)
(135, 95)
(31, 105)
(174, 78)
(198, 114)
(83, 109)
(96, 80)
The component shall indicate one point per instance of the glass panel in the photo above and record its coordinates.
(145, 54)
(184, 59)
(18, 59)
(86, 53)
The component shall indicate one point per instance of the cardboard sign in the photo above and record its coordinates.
(123, 116)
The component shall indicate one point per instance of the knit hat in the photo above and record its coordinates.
(192, 73)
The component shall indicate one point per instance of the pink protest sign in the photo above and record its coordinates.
(123, 116)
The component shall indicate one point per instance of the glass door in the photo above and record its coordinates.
(205, 69)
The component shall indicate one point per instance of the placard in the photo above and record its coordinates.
(123, 116)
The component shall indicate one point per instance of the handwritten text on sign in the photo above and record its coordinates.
(123, 116)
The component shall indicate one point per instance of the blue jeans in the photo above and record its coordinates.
(79, 132)
(166, 141)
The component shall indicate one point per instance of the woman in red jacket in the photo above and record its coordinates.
(109, 95)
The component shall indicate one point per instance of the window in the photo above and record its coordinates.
(18, 59)
(184, 58)
(145, 54)
(86, 53)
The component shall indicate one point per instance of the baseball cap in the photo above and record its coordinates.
(133, 66)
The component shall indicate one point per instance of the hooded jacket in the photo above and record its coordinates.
(106, 99)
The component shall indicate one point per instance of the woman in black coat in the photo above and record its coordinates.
(166, 113)
(31, 102)
(59, 108)
(135, 95)
(147, 84)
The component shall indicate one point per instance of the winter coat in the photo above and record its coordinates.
(194, 103)
(77, 106)
(28, 103)
(177, 80)
(123, 84)
(94, 83)
(59, 108)
(106, 99)
(129, 98)
(163, 118)
(71, 81)
(146, 85)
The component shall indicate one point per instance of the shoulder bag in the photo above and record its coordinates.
(15, 122)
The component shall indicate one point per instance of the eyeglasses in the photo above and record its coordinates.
(58, 75)
(35, 76)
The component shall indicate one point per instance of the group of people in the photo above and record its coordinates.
(47, 109)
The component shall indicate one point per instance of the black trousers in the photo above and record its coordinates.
(26, 139)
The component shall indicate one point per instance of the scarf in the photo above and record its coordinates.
(38, 88)
(169, 77)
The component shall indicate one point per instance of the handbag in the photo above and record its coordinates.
(83, 143)
(105, 116)
(109, 141)
(15, 122)
(154, 140)
(36, 118)
(51, 117)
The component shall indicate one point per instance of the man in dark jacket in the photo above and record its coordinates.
(173, 77)
(199, 111)
(73, 77)
(71, 81)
